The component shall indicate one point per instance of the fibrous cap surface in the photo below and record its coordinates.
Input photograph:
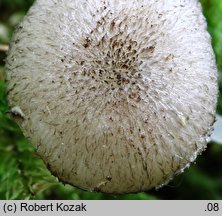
(117, 96)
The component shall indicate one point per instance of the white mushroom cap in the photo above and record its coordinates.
(116, 96)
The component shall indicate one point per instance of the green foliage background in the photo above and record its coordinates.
(24, 176)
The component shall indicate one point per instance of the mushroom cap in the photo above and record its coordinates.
(116, 96)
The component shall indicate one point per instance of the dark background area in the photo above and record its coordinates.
(24, 176)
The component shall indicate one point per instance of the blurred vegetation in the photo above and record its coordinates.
(24, 176)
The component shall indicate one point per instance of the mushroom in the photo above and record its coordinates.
(116, 96)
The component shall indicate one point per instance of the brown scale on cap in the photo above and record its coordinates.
(117, 67)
